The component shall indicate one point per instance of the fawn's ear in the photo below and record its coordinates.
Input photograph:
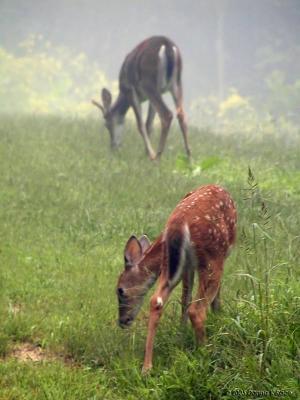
(106, 99)
(133, 252)
(145, 243)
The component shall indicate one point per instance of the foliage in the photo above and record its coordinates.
(277, 115)
(43, 79)
(284, 97)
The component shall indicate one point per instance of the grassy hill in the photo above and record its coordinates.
(67, 208)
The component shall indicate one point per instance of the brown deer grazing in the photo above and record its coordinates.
(149, 70)
(198, 236)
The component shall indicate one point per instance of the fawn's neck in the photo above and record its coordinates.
(151, 262)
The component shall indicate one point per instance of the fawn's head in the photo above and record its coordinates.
(134, 281)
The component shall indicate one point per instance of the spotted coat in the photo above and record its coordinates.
(211, 217)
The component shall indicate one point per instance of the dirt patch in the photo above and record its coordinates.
(15, 308)
(29, 352)
(25, 352)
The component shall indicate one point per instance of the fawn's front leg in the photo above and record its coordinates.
(157, 303)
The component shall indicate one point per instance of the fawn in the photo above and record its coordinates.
(198, 236)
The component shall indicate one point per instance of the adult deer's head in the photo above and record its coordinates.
(113, 117)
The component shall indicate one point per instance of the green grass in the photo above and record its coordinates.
(67, 207)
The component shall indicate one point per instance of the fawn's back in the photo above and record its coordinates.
(206, 220)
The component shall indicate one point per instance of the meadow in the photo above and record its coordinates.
(67, 208)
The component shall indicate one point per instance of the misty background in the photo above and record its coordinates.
(236, 53)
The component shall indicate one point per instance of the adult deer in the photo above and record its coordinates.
(149, 70)
(198, 236)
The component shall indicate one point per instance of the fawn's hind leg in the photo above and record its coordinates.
(187, 288)
(209, 284)
(216, 303)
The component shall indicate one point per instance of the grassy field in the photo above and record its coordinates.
(67, 207)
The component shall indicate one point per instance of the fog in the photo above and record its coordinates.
(225, 43)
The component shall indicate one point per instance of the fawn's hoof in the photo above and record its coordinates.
(146, 369)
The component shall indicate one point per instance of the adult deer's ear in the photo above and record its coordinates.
(106, 99)
(98, 105)
(133, 252)
(145, 243)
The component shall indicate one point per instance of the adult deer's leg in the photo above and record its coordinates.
(150, 119)
(136, 105)
(165, 116)
(176, 92)
(209, 283)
